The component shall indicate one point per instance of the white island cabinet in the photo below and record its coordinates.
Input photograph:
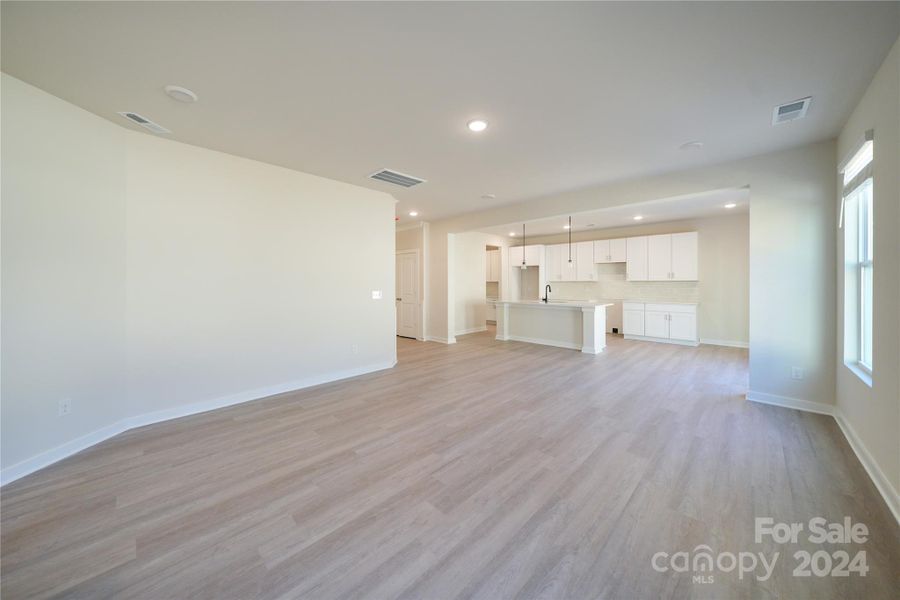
(575, 325)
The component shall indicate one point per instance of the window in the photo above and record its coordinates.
(857, 219)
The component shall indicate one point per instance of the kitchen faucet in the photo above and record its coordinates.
(547, 290)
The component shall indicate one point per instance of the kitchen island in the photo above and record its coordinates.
(566, 324)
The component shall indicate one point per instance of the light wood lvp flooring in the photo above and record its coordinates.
(479, 470)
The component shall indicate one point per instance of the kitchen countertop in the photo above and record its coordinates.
(558, 303)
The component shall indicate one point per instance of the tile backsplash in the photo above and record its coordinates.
(611, 285)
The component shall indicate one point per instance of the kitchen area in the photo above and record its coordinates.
(603, 285)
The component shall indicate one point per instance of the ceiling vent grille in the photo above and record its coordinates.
(791, 111)
(396, 178)
(144, 122)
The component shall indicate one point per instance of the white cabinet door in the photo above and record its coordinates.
(533, 255)
(601, 251)
(659, 257)
(636, 263)
(584, 261)
(515, 256)
(683, 326)
(633, 322)
(617, 250)
(553, 262)
(569, 272)
(656, 324)
(684, 256)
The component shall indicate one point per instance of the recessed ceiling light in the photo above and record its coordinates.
(512, 234)
(566, 226)
(638, 218)
(413, 213)
(488, 196)
(694, 145)
(181, 94)
(730, 205)
(477, 125)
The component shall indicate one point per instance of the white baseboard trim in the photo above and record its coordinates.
(786, 402)
(472, 330)
(440, 340)
(728, 343)
(543, 342)
(644, 338)
(882, 483)
(48, 457)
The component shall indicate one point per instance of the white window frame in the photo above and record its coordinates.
(857, 205)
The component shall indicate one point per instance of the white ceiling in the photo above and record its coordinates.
(576, 94)
(707, 204)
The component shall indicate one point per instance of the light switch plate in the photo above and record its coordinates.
(376, 294)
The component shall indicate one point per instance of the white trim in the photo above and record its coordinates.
(472, 330)
(48, 457)
(644, 338)
(558, 344)
(787, 402)
(882, 483)
(728, 343)
(440, 340)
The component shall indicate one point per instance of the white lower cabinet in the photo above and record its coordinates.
(633, 320)
(671, 323)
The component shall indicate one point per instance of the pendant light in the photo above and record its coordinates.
(570, 240)
(524, 266)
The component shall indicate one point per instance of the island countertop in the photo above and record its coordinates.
(556, 303)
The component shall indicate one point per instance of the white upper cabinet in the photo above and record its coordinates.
(553, 262)
(492, 265)
(610, 251)
(659, 257)
(636, 259)
(569, 272)
(583, 253)
(533, 256)
(672, 257)
(684, 256)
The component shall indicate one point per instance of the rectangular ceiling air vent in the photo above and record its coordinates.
(791, 111)
(396, 178)
(144, 122)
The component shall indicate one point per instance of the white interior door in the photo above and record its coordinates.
(407, 294)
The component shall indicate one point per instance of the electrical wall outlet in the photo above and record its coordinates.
(796, 373)
(65, 406)
(355, 348)
(376, 294)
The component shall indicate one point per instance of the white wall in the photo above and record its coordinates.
(63, 271)
(141, 276)
(873, 413)
(792, 246)
(469, 288)
(242, 275)
(723, 263)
